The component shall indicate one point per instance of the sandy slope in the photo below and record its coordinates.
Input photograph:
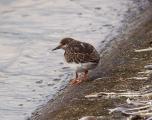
(119, 70)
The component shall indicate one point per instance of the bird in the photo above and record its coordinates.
(80, 53)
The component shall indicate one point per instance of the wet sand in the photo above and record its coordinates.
(119, 70)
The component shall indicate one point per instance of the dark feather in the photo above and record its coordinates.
(81, 52)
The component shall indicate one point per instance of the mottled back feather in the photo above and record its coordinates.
(81, 52)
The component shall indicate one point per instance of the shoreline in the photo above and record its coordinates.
(116, 65)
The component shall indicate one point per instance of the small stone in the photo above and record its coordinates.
(56, 79)
(148, 67)
(39, 82)
(137, 117)
(61, 63)
(88, 118)
(97, 8)
(33, 90)
(20, 105)
(65, 68)
(50, 84)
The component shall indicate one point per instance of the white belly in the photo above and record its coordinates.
(83, 67)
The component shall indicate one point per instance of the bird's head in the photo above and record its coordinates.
(64, 43)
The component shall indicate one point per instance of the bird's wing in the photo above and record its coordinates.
(82, 47)
(82, 52)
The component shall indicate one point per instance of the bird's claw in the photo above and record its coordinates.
(79, 79)
(84, 77)
(75, 82)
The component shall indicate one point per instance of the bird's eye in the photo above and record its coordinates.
(63, 43)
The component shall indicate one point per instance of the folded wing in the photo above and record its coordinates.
(81, 52)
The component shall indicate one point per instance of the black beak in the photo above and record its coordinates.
(58, 47)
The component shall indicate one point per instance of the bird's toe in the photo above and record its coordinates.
(75, 81)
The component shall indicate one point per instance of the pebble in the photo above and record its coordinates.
(148, 67)
(20, 105)
(65, 67)
(97, 8)
(33, 90)
(39, 81)
(50, 84)
(88, 118)
(56, 79)
(61, 63)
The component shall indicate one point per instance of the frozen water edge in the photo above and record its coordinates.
(30, 75)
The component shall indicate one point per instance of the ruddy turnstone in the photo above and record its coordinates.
(81, 53)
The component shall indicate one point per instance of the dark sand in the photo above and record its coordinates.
(116, 66)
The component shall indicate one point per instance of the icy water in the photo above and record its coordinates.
(30, 74)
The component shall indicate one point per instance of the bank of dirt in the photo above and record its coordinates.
(118, 71)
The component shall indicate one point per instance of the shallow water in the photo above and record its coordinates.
(30, 74)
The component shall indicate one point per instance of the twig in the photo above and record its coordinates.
(113, 94)
(144, 50)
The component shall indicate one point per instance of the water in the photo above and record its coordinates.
(30, 74)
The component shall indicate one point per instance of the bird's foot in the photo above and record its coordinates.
(79, 78)
(84, 77)
(75, 81)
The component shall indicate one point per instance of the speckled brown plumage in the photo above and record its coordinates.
(80, 53)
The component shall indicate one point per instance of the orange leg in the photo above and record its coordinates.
(85, 77)
(76, 80)
(79, 79)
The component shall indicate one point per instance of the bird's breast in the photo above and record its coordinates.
(72, 57)
(82, 67)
